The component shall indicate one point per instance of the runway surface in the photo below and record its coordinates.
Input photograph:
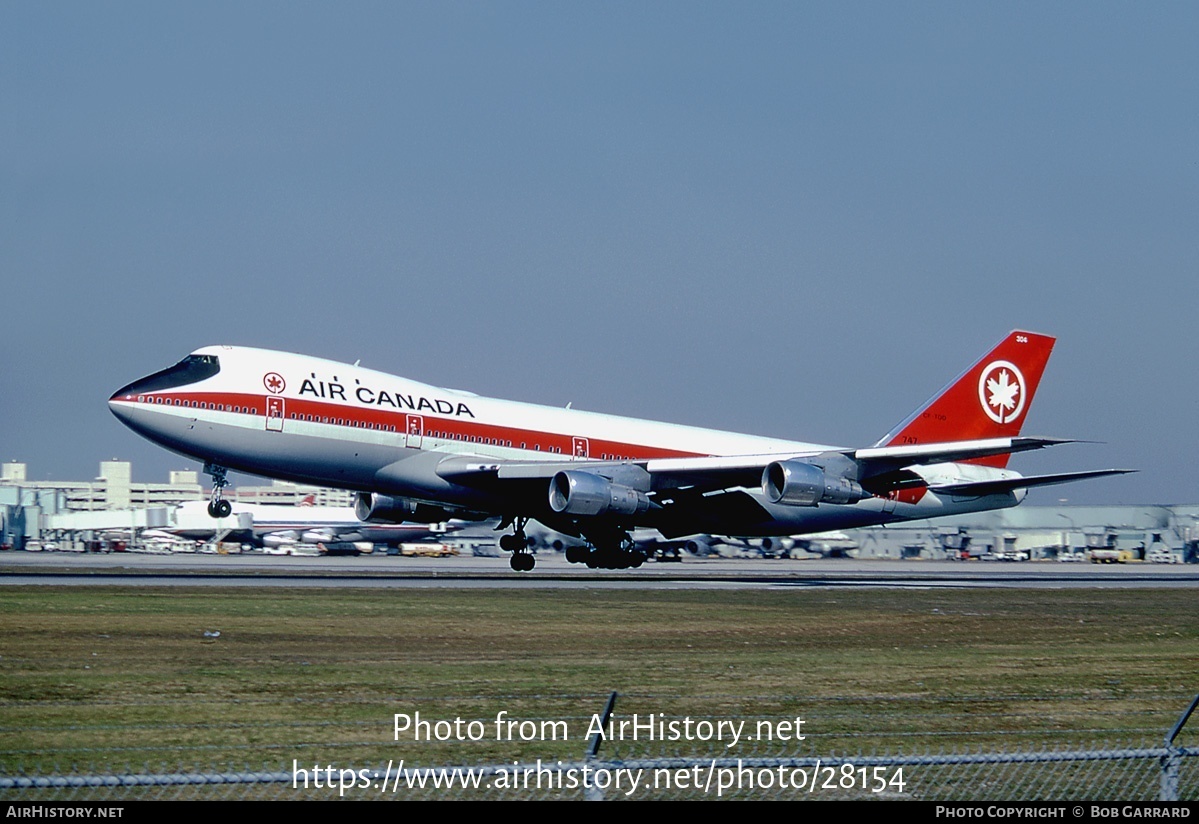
(552, 572)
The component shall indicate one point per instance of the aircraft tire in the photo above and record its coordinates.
(522, 562)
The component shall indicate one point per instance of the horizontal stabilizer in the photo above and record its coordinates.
(981, 488)
(952, 450)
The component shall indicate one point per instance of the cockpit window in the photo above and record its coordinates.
(192, 369)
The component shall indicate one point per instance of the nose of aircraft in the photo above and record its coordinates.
(121, 405)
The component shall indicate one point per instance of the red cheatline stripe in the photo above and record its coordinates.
(455, 429)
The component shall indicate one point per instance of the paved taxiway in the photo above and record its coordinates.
(131, 569)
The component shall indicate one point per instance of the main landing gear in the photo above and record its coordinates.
(218, 507)
(609, 551)
(518, 544)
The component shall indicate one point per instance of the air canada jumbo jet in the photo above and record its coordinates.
(416, 452)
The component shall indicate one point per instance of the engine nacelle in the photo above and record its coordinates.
(796, 483)
(778, 544)
(585, 493)
(384, 509)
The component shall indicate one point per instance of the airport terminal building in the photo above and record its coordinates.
(82, 511)
(1165, 534)
(112, 501)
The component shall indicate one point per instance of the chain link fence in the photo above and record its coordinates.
(616, 768)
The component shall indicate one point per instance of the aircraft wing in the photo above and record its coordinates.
(704, 474)
(880, 468)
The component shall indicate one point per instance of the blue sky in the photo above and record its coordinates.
(791, 219)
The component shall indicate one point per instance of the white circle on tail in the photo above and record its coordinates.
(1001, 391)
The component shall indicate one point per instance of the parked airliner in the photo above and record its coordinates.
(416, 452)
(276, 525)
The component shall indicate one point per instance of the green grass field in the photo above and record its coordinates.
(113, 678)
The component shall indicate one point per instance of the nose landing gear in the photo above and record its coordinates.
(218, 507)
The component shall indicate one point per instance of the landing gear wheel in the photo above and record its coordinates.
(514, 543)
(522, 562)
(611, 549)
(518, 541)
(218, 507)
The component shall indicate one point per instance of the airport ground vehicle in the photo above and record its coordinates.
(1109, 555)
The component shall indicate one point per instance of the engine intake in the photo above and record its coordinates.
(796, 483)
(584, 493)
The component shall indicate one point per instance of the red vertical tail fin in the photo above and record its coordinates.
(988, 400)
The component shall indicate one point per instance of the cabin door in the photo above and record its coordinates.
(274, 414)
(415, 432)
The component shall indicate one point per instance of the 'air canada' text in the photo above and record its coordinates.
(396, 400)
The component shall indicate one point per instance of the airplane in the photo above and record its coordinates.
(824, 544)
(278, 525)
(417, 452)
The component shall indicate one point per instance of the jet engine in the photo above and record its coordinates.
(778, 544)
(585, 493)
(384, 509)
(796, 483)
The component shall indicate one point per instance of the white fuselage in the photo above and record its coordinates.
(306, 419)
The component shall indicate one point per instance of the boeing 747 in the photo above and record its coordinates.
(416, 452)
